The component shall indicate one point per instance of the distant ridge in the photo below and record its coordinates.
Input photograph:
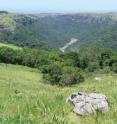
(47, 31)
(6, 12)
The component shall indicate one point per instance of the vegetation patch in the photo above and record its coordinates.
(62, 68)
(25, 98)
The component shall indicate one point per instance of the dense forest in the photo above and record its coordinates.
(52, 31)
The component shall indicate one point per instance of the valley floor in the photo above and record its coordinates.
(26, 99)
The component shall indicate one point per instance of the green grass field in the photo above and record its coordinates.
(10, 46)
(26, 99)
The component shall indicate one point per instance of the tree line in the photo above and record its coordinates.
(62, 68)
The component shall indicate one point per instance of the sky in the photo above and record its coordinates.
(58, 6)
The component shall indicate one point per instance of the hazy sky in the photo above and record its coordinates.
(58, 5)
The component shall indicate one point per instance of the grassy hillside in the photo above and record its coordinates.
(10, 46)
(26, 99)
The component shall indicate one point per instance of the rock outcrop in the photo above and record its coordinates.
(88, 103)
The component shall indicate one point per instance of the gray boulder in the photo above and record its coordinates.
(88, 103)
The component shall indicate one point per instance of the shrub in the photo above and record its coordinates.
(114, 67)
(53, 73)
(71, 76)
(8, 55)
(56, 75)
(92, 66)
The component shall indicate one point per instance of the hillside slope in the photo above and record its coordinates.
(25, 98)
(14, 29)
(47, 31)
(10, 46)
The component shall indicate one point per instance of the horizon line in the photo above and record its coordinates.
(58, 12)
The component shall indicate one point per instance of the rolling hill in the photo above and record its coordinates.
(34, 83)
(47, 31)
(26, 97)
